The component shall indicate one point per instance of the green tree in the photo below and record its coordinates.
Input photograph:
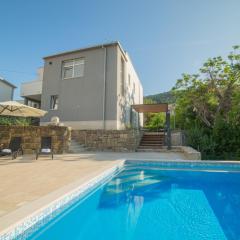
(20, 121)
(156, 121)
(208, 104)
(148, 116)
(153, 121)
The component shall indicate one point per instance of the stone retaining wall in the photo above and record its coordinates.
(190, 153)
(31, 136)
(108, 140)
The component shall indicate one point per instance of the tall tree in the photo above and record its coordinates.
(210, 94)
(208, 107)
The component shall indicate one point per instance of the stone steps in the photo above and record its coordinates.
(151, 145)
(151, 150)
(151, 142)
(75, 147)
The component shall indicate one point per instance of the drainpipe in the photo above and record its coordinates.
(12, 94)
(104, 87)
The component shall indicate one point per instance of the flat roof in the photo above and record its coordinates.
(150, 108)
(114, 43)
(8, 83)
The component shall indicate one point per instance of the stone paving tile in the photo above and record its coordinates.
(25, 179)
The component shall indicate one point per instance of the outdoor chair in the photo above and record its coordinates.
(46, 147)
(14, 148)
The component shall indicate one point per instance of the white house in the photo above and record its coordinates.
(6, 90)
(88, 88)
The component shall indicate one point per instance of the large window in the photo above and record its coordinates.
(122, 74)
(73, 68)
(54, 102)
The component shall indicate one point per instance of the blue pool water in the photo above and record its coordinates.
(149, 202)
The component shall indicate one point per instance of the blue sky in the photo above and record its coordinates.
(164, 38)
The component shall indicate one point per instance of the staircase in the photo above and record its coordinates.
(151, 141)
(75, 147)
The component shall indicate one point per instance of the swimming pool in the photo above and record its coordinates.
(154, 201)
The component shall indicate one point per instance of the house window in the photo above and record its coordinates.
(122, 76)
(32, 103)
(129, 80)
(54, 102)
(73, 68)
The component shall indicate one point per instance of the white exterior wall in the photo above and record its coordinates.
(131, 95)
(34, 87)
(6, 92)
(31, 88)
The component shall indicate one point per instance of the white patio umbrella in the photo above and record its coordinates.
(16, 109)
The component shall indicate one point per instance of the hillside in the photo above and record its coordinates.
(166, 97)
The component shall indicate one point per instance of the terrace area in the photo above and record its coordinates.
(26, 183)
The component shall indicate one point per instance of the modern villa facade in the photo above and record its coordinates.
(6, 90)
(89, 88)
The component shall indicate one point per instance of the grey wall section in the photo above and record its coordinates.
(111, 83)
(81, 99)
(6, 92)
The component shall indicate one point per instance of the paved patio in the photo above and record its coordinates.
(25, 179)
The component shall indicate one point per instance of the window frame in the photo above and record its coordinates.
(56, 102)
(74, 63)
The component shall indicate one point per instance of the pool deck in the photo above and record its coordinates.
(24, 180)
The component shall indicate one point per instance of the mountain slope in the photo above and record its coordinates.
(166, 97)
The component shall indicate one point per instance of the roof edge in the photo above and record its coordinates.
(8, 83)
(114, 43)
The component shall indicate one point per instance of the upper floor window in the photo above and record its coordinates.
(54, 102)
(73, 68)
(129, 79)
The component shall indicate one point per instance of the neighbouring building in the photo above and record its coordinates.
(88, 88)
(32, 91)
(6, 90)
